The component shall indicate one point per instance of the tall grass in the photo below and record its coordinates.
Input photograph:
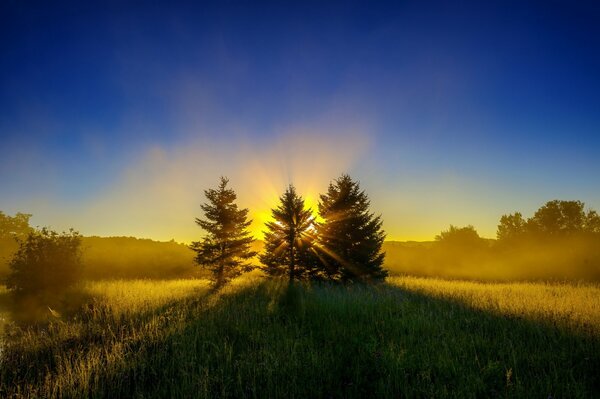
(263, 339)
(571, 304)
(4, 310)
(134, 296)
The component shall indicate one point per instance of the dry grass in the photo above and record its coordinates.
(412, 337)
(575, 305)
(134, 296)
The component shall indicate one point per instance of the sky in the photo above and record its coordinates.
(115, 116)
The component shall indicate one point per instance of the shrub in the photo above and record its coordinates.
(45, 262)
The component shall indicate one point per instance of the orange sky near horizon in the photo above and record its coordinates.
(158, 195)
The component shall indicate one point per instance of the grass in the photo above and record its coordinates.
(135, 296)
(4, 306)
(408, 338)
(572, 305)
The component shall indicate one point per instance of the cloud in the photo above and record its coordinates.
(159, 194)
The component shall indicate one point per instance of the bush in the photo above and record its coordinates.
(46, 262)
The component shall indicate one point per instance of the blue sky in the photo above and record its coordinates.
(115, 116)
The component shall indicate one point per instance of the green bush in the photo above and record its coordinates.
(45, 262)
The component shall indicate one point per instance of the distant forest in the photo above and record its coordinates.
(560, 241)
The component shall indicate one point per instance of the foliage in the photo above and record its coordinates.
(410, 338)
(556, 218)
(226, 248)
(460, 237)
(572, 258)
(16, 226)
(46, 261)
(451, 250)
(349, 239)
(511, 226)
(592, 222)
(289, 239)
(111, 257)
(12, 228)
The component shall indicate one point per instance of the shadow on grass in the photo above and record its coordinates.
(269, 340)
(38, 346)
(5, 301)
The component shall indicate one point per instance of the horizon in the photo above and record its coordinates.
(115, 118)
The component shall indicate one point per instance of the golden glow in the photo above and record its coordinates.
(529, 259)
(261, 216)
(159, 195)
(570, 304)
(311, 229)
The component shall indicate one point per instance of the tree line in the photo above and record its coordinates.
(553, 221)
(559, 240)
(344, 246)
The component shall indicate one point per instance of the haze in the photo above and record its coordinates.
(113, 120)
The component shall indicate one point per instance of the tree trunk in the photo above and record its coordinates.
(292, 262)
(221, 270)
(220, 276)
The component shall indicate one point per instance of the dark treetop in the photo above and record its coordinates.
(225, 250)
(350, 237)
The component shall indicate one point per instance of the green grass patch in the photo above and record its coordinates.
(266, 339)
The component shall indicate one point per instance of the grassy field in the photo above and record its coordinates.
(576, 306)
(411, 337)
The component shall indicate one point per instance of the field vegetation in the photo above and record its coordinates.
(573, 305)
(410, 337)
(322, 317)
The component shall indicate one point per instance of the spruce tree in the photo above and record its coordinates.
(226, 248)
(289, 238)
(350, 236)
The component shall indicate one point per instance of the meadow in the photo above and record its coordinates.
(409, 337)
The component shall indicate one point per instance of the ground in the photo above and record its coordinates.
(410, 337)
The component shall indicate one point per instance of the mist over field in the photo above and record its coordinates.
(299, 199)
(127, 257)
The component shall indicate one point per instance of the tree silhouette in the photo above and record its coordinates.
(460, 237)
(289, 239)
(511, 226)
(12, 229)
(16, 226)
(225, 249)
(46, 262)
(592, 222)
(350, 237)
(558, 217)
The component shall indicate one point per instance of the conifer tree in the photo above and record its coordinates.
(350, 236)
(289, 238)
(226, 248)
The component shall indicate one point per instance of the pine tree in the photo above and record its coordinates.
(226, 248)
(289, 239)
(350, 237)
